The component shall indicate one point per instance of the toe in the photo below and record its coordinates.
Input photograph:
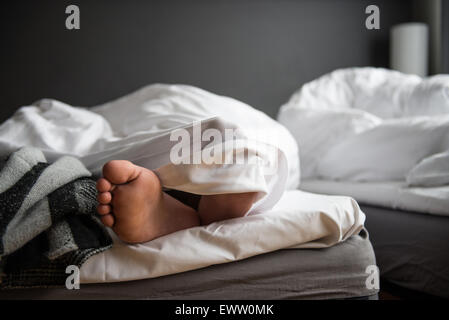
(108, 220)
(104, 197)
(120, 171)
(103, 209)
(103, 185)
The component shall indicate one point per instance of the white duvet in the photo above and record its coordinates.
(364, 125)
(298, 220)
(138, 127)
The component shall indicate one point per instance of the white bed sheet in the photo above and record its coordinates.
(390, 194)
(298, 220)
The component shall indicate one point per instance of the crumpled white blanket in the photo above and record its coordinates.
(372, 124)
(137, 127)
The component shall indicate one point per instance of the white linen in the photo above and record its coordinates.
(372, 125)
(389, 194)
(387, 152)
(368, 124)
(432, 171)
(299, 220)
(159, 108)
(137, 127)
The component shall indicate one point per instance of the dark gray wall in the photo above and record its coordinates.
(258, 51)
(435, 13)
(445, 35)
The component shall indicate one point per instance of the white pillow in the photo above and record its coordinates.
(432, 171)
(430, 97)
(338, 106)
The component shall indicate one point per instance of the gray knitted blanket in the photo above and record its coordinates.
(47, 219)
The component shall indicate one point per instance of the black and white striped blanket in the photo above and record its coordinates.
(47, 219)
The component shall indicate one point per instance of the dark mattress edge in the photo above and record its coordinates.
(412, 249)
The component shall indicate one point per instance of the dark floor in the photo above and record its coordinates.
(389, 291)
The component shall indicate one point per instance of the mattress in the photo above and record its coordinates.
(337, 272)
(391, 194)
(412, 249)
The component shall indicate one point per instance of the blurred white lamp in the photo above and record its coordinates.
(409, 43)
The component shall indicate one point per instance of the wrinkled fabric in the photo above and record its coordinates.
(298, 220)
(138, 127)
(47, 219)
(378, 135)
(368, 124)
(387, 194)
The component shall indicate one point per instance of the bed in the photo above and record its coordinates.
(333, 273)
(330, 259)
(382, 138)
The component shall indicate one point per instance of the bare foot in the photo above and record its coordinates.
(132, 203)
(219, 207)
